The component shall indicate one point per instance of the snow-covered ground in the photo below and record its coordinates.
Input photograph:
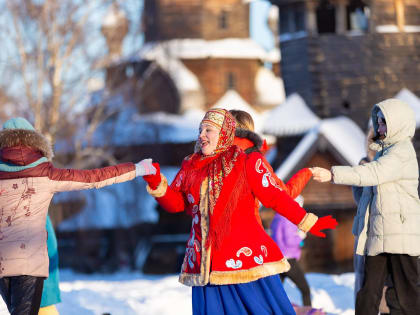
(128, 293)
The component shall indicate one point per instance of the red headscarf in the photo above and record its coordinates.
(220, 166)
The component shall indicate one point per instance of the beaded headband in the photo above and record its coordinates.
(215, 117)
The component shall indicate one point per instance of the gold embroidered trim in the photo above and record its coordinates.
(307, 222)
(202, 278)
(215, 117)
(248, 275)
(160, 190)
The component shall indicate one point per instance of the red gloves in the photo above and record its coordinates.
(153, 180)
(323, 223)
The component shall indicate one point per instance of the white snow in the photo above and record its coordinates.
(392, 28)
(412, 28)
(273, 55)
(132, 128)
(411, 99)
(232, 100)
(341, 133)
(119, 205)
(187, 83)
(389, 28)
(182, 77)
(346, 137)
(132, 293)
(292, 117)
(236, 48)
(269, 88)
(297, 154)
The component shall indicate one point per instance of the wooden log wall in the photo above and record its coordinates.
(347, 75)
(169, 19)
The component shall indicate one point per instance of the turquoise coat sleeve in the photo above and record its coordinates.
(51, 290)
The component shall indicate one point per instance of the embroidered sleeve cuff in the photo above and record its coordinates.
(307, 222)
(160, 191)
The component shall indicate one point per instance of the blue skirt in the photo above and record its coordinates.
(263, 296)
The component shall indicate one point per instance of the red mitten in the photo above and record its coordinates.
(153, 180)
(323, 223)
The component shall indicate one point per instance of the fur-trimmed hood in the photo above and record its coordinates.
(28, 138)
(400, 122)
(255, 139)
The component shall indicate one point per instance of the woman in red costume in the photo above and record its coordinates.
(230, 262)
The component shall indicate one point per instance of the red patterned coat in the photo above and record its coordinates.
(247, 252)
(251, 142)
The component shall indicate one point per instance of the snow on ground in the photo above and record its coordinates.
(129, 293)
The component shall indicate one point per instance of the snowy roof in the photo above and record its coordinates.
(411, 99)
(120, 205)
(292, 117)
(343, 134)
(392, 28)
(187, 83)
(297, 154)
(273, 55)
(132, 128)
(346, 137)
(183, 78)
(236, 48)
(232, 100)
(270, 89)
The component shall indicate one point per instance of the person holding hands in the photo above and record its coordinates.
(28, 181)
(230, 261)
(386, 226)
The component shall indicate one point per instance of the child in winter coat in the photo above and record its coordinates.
(386, 226)
(28, 181)
(230, 262)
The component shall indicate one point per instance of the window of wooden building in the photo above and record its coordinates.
(292, 18)
(231, 81)
(325, 17)
(223, 20)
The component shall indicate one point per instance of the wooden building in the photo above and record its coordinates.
(194, 52)
(343, 56)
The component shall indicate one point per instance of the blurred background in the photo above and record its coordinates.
(116, 81)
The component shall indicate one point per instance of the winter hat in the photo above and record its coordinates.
(20, 132)
(18, 123)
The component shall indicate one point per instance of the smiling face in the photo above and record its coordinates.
(208, 138)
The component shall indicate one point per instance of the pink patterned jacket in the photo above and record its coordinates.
(24, 200)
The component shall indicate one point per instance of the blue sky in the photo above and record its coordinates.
(258, 23)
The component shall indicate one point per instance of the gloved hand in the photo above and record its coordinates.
(153, 180)
(145, 167)
(323, 223)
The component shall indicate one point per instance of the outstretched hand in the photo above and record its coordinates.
(321, 175)
(145, 167)
(153, 180)
(323, 223)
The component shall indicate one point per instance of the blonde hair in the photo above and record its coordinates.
(243, 119)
